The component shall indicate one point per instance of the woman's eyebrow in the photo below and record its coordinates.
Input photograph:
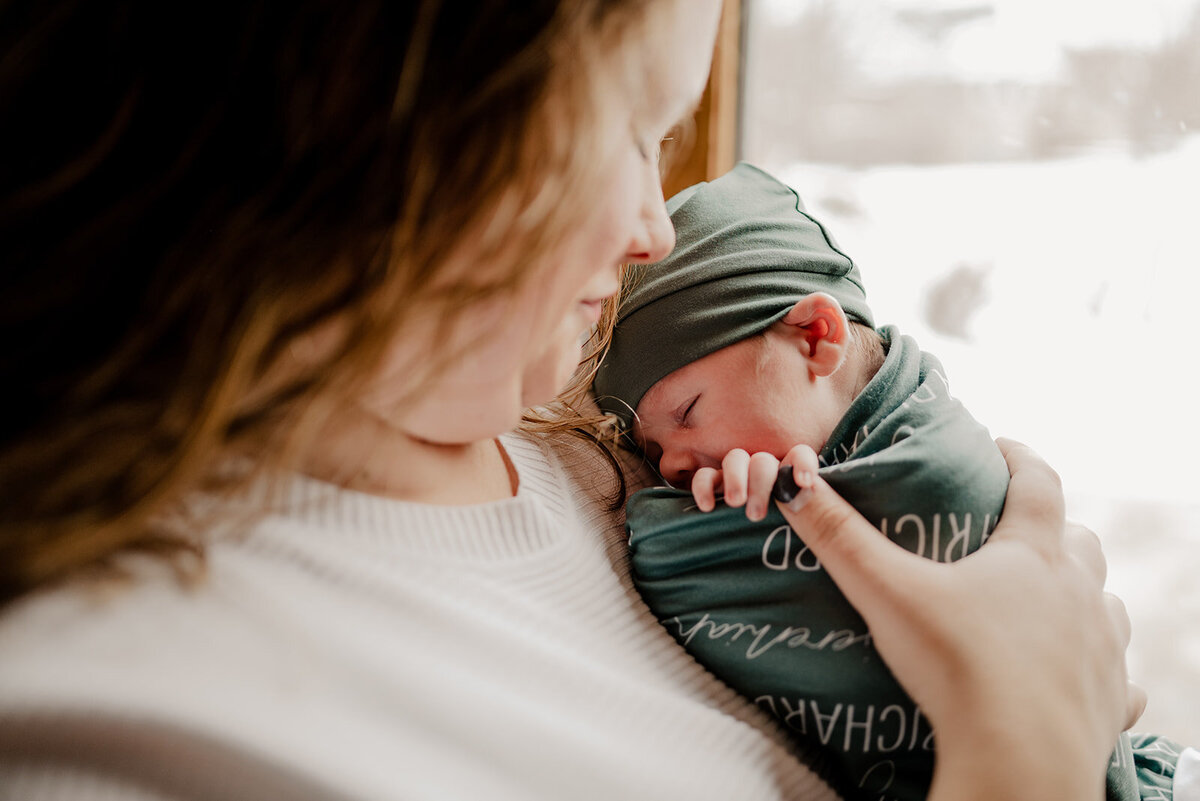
(689, 111)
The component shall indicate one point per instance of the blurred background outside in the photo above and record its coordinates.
(1019, 181)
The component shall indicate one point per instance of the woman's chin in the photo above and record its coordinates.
(546, 380)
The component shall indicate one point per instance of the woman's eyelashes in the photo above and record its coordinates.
(649, 152)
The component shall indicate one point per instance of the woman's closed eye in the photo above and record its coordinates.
(649, 148)
(641, 143)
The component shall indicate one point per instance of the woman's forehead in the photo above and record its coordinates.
(675, 61)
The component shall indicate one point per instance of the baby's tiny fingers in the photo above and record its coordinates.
(735, 468)
(705, 484)
(804, 464)
(763, 469)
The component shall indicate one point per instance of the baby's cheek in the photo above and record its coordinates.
(760, 439)
(653, 455)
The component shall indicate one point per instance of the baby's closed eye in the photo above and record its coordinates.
(683, 413)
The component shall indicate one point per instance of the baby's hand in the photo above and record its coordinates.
(747, 480)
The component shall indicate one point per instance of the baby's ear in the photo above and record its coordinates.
(820, 326)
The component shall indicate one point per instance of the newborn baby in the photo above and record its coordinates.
(750, 345)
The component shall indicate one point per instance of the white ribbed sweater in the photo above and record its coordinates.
(354, 647)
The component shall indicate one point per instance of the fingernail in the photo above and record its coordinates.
(797, 503)
(786, 487)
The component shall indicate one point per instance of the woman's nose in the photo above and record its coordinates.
(655, 237)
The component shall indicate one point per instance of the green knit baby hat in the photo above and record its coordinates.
(745, 252)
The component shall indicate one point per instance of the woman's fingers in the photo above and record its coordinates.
(1135, 696)
(1033, 508)
(1119, 617)
(871, 571)
(1082, 543)
(1135, 705)
(1019, 634)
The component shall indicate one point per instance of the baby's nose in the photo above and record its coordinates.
(677, 468)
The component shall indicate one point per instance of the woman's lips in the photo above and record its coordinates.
(592, 309)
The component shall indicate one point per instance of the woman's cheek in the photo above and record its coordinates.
(548, 376)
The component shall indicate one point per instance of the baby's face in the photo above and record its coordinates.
(757, 394)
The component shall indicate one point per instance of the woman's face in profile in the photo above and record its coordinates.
(531, 340)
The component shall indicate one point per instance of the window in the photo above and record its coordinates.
(1020, 184)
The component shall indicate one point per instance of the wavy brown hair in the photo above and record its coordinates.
(193, 193)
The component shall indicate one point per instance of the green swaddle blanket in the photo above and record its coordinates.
(753, 605)
(749, 600)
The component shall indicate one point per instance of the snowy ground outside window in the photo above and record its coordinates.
(1063, 298)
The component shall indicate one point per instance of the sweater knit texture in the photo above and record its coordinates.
(346, 646)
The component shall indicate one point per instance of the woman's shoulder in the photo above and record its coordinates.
(85, 636)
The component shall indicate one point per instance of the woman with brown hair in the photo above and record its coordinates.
(279, 286)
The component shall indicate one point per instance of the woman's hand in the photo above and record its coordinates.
(1015, 653)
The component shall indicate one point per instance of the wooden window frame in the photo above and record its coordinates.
(713, 148)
